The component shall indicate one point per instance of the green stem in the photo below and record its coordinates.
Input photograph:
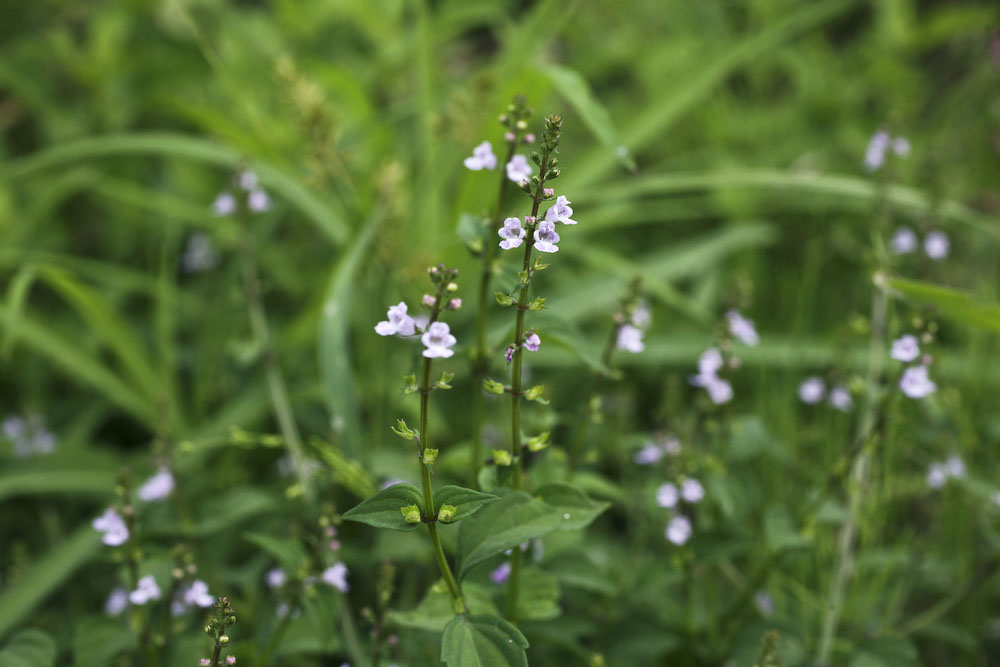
(481, 363)
(576, 448)
(457, 601)
(218, 646)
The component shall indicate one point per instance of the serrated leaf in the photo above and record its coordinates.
(502, 525)
(288, 552)
(483, 641)
(576, 509)
(435, 611)
(29, 648)
(467, 501)
(383, 510)
(539, 598)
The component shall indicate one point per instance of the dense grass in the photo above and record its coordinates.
(712, 149)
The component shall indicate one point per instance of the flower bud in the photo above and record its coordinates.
(529, 219)
(454, 304)
(411, 513)
(223, 640)
(509, 137)
(492, 386)
(529, 138)
(452, 287)
(521, 125)
(502, 457)
(549, 192)
(503, 119)
(429, 300)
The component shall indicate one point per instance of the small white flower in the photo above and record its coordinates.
(648, 455)
(904, 241)
(157, 487)
(117, 602)
(710, 361)
(258, 201)
(482, 158)
(955, 466)
(679, 530)
(224, 204)
(197, 595)
(742, 328)
(512, 233)
(630, 339)
(336, 576)
(560, 211)
(875, 153)
(398, 323)
(667, 495)
(901, 146)
(937, 475)
(29, 436)
(111, 524)
(812, 390)
(546, 237)
(146, 591)
(642, 317)
(915, 382)
(247, 180)
(275, 577)
(840, 398)
(692, 491)
(719, 390)
(936, 245)
(438, 341)
(518, 169)
(532, 342)
(906, 348)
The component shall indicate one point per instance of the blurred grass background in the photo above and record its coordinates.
(715, 148)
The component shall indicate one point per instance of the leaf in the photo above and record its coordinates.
(98, 640)
(75, 482)
(435, 610)
(467, 501)
(383, 509)
(576, 510)
(502, 525)
(594, 115)
(288, 552)
(46, 575)
(471, 230)
(539, 598)
(482, 641)
(953, 304)
(29, 648)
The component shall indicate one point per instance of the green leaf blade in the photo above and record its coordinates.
(383, 509)
(467, 501)
(483, 641)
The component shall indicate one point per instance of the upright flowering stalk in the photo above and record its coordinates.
(515, 124)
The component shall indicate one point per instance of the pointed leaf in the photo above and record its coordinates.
(539, 599)
(384, 509)
(29, 648)
(435, 610)
(502, 525)
(466, 501)
(958, 306)
(576, 510)
(482, 641)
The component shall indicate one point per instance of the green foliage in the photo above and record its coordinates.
(29, 648)
(466, 501)
(383, 509)
(482, 641)
(576, 511)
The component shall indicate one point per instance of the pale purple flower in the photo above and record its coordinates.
(742, 328)
(719, 390)
(421, 322)
(500, 574)
(111, 524)
(247, 180)
(667, 495)
(512, 233)
(915, 383)
(157, 487)
(679, 530)
(812, 390)
(438, 341)
(642, 317)
(482, 157)
(398, 323)
(518, 169)
(955, 466)
(29, 436)
(840, 398)
(199, 254)
(875, 153)
(560, 211)
(901, 146)
(336, 576)
(710, 361)
(258, 201)
(532, 342)
(692, 491)
(224, 204)
(648, 455)
(630, 339)
(275, 577)
(546, 237)
(936, 245)
(117, 602)
(764, 602)
(197, 595)
(937, 475)
(508, 354)
(906, 348)
(904, 241)
(230, 659)
(146, 591)
(672, 446)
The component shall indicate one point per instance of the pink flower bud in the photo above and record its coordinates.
(529, 219)
(509, 353)
(509, 136)
(334, 545)
(429, 300)
(549, 192)
(455, 304)
(529, 138)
